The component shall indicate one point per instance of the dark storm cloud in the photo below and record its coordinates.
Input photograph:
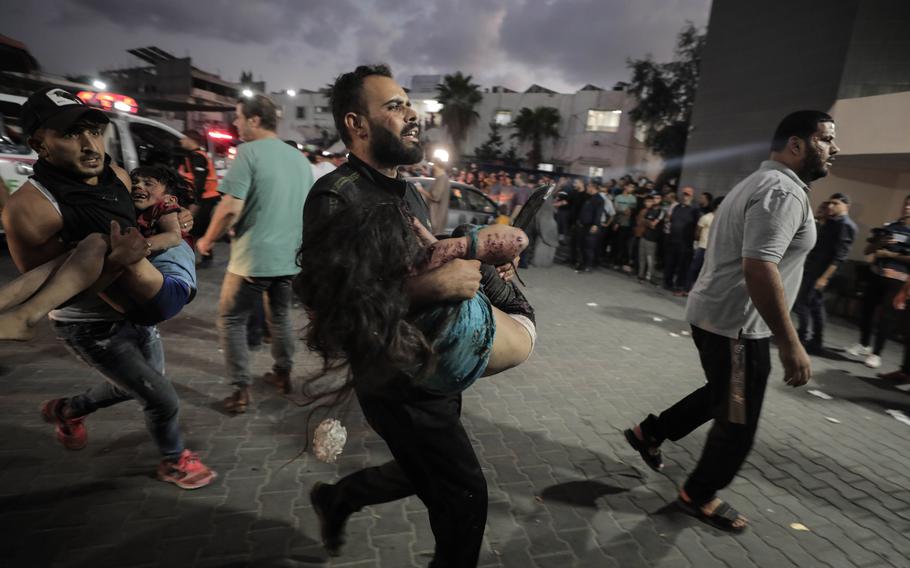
(316, 22)
(562, 44)
(588, 41)
(477, 25)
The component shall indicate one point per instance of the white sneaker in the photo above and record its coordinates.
(859, 351)
(873, 361)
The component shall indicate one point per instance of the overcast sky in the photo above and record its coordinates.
(561, 44)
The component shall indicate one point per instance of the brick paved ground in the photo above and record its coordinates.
(564, 488)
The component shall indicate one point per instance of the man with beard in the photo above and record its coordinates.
(263, 196)
(433, 456)
(759, 240)
(75, 197)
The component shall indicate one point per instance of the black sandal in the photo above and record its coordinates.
(723, 517)
(654, 460)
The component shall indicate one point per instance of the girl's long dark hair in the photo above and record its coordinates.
(352, 282)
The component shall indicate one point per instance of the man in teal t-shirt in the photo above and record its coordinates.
(624, 204)
(264, 192)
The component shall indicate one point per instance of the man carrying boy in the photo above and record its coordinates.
(75, 193)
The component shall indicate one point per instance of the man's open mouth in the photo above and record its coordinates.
(411, 134)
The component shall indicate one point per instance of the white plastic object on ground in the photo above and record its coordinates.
(820, 394)
(329, 440)
(899, 416)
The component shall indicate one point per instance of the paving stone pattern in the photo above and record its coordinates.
(564, 488)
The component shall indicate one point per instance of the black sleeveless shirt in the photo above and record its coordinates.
(85, 208)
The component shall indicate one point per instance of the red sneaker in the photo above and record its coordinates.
(71, 432)
(187, 472)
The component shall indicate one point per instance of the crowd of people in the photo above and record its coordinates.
(415, 320)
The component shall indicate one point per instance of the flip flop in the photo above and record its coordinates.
(654, 460)
(721, 518)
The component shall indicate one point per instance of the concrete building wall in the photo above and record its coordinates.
(312, 124)
(762, 61)
(577, 150)
(873, 167)
(878, 61)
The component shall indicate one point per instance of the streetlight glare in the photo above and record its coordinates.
(441, 155)
(291, 93)
(247, 93)
(99, 84)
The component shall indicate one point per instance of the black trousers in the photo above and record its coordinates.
(204, 216)
(587, 246)
(810, 309)
(877, 302)
(620, 246)
(728, 443)
(676, 265)
(434, 459)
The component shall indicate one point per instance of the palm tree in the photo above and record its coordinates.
(327, 90)
(535, 126)
(459, 96)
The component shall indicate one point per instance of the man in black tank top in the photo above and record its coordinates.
(77, 192)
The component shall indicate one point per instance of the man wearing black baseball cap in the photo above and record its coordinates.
(75, 194)
(57, 109)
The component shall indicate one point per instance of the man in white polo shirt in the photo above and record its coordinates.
(753, 266)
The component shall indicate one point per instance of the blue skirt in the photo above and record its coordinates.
(463, 349)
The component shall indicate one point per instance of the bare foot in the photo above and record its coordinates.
(499, 244)
(14, 326)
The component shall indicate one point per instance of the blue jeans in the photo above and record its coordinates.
(240, 296)
(131, 358)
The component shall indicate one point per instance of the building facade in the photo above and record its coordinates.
(850, 58)
(597, 138)
(172, 90)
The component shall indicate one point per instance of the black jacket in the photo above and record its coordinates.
(833, 245)
(354, 182)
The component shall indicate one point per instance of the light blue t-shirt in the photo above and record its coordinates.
(273, 180)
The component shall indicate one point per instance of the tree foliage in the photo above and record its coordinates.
(493, 148)
(459, 96)
(666, 94)
(535, 126)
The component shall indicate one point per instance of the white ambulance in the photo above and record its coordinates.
(130, 140)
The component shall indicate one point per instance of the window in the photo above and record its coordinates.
(603, 120)
(322, 110)
(475, 201)
(595, 172)
(153, 145)
(544, 167)
(503, 117)
(11, 139)
(301, 113)
(112, 143)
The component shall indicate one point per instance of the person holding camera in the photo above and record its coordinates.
(890, 247)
